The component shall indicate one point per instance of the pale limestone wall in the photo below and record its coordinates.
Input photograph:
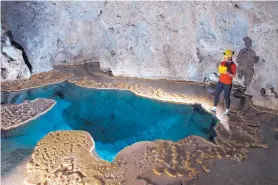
(13, 66)
(172, 40)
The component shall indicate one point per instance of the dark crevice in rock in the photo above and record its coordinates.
(7, 56)
(4, 70)
(199, 55)
(64, 61)
(236, 6)
(162, 16)
(273, 91)
(175, 31)
(113, 53)
(18, 46)
(263, 91)
(4, 73)
(130, 24)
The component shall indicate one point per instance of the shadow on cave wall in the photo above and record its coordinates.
(246, 60)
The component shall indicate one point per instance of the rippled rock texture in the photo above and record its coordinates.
(37, 80)
(57, 159)
(13, 116)
(176, 40)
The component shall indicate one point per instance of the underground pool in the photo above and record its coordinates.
(114, 118)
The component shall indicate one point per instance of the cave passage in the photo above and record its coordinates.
(114, 118)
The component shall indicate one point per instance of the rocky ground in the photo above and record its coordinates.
(259, 167)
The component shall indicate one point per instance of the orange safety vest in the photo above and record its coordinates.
(225, 78)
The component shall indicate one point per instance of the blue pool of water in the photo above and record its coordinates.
(114, 118)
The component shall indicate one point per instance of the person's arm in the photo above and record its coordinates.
(233, 69)
(231, 75)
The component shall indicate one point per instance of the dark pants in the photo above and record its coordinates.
(227, 90)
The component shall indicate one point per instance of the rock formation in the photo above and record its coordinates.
(16, 115)
(175, 40)
(37, 80)
(60, 158)
(13, 66)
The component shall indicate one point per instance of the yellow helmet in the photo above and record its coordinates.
(228, 53)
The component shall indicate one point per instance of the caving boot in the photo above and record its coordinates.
(226, 112)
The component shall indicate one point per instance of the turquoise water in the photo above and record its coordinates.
(114, 118)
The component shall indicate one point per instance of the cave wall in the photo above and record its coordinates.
(171, 40)
(13, 64)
